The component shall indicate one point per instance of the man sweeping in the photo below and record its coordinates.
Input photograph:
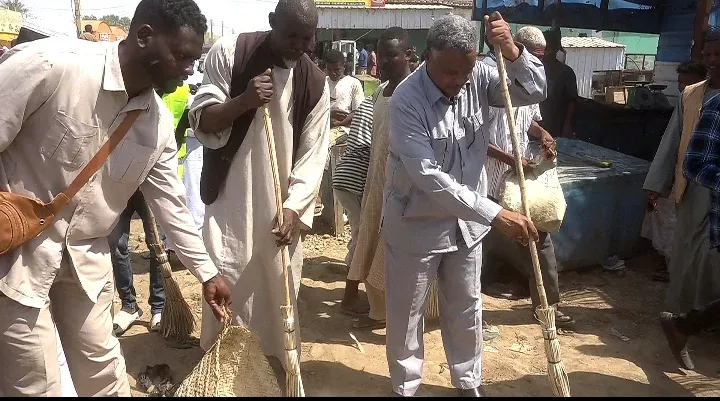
(694, 267)
(436, 211)
(242, 74)
(499, 248)
(67, 97)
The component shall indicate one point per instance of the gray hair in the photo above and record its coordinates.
(530, 36)
(452, 32)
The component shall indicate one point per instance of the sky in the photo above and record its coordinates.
(241, 15)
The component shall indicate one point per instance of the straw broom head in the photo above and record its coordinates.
(556, 370)
(177, 322)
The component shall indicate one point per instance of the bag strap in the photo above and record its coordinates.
(62, 200)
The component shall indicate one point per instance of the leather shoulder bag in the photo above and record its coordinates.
(23, 218)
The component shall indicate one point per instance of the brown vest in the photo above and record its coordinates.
(252, 57)
(692, 102)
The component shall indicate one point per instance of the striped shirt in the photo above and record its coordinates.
(500, 137)
(351, 171)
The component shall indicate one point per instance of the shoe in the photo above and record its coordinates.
(124, 319)
(473, 392)
(155, 322)
(676, 340)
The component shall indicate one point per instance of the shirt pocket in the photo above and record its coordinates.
(129, 162)
(439, 142)
(475, 135)
(67, 141)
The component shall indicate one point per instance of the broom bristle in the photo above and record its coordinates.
(559, 381)
(177, 322)
(432, 311)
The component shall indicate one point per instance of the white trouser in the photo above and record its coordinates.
(407, 278)
(192, 168)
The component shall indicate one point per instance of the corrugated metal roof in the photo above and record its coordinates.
(449, 3)
(570, 42)
(391, 7)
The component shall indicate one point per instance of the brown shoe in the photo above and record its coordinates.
(676, 340)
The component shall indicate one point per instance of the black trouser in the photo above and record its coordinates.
(499, 248)
(697, 320)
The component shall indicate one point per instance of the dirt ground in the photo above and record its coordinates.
(617, 348)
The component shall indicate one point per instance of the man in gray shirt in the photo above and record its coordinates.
(435, 207)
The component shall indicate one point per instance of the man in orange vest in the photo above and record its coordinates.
(694, 267)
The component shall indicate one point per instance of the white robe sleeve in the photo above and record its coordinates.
(312, 155)
(215, 89)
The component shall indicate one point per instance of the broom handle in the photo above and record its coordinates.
(278, 196)
(159, 247)
(520, 172)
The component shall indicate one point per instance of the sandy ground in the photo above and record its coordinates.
(617, 348)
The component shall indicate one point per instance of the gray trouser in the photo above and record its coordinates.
(499, 247)
(351, 202)
(408, 278)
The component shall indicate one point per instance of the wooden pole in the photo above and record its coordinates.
(78, 17)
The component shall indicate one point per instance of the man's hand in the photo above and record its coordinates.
(498, 33)
(217, 295)
(287, 230)
(548, 146)
(337, 117)
(516, 227)
(651, 200)
(259, 90)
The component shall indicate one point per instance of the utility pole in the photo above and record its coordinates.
(222, 28)
(211, 31)
(78, 17)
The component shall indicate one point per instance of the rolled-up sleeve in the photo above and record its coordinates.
(28, 80)
(215, 89)
(526, 76)
(164, 193)
(410, 141)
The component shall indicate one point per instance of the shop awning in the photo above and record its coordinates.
(642, 16)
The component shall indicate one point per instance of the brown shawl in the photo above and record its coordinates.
(252, 57)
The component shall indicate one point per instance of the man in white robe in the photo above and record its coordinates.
(239, 229)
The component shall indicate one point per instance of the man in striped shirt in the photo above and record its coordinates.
(348, 182)
(498, 248)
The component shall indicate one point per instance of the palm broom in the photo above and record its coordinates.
(293, 380)
(546, 315)
(177, 322)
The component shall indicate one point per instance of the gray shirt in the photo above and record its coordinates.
(436, 181)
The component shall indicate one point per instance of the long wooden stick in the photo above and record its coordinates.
(521, 174)
(559, 381)
(293, 380)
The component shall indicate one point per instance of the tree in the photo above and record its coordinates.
(15, 5)
(112, 20)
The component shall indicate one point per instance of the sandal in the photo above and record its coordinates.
(365, 323)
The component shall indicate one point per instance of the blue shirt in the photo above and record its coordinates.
(702, 161)
(436, 181)
(363, 59)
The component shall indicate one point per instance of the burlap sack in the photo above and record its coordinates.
(544, 193)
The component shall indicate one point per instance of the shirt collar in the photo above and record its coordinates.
(433, 93)
(112, 78)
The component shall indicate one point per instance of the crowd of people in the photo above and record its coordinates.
(419, 181)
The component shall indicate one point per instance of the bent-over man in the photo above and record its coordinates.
(67, 97)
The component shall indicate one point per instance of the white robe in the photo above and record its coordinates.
(237, 225)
